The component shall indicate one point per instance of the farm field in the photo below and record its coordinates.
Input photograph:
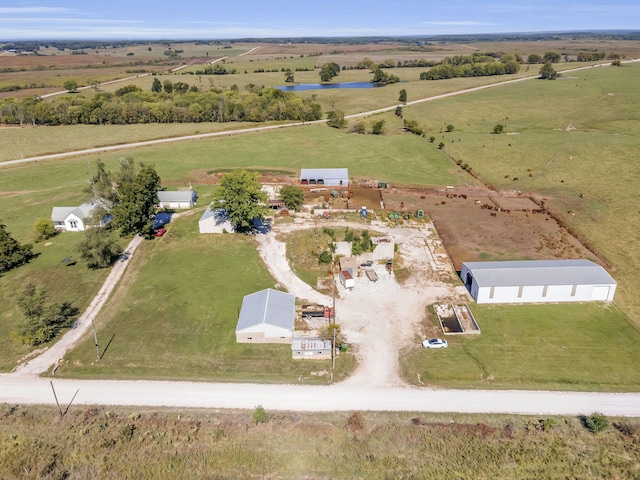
(577, 135)
(98, 442)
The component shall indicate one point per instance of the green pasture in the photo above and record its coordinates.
(551, 347)
(574, 141)
(175, 314)
(63, 281)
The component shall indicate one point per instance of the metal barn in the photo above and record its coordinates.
(538, 281)
(332, 177)
(266, 316)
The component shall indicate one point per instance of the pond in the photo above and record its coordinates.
(326, 86)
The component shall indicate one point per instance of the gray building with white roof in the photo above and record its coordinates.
(266, 316)
(538, 281)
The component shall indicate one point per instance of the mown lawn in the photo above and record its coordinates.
(175, 314)
(552, 347)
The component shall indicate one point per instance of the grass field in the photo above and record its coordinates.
(175, 312)
(588, 347)
(575, 135)
(92, 442)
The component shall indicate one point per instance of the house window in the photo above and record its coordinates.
(492, 292)
(73, 224)
(573, 290)
(520, 288)
(544, 291)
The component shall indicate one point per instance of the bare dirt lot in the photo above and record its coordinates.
(481, 224)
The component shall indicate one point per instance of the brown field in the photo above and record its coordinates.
(482, 224)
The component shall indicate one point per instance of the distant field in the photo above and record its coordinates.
(175, 313)
(587, 347)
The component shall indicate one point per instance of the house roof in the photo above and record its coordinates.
(319, 173)
(538, 272)
(60, 214)
(267, 307)
(176, 196)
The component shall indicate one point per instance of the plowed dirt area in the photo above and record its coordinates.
(485, 225)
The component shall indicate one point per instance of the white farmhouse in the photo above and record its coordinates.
(176, 199)
(538, 281)
(75, 219)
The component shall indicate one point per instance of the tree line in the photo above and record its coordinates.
(177, 103)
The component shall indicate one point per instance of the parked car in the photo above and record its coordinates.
(160, 232)
(435, 343)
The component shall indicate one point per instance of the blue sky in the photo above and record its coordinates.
(202, 19)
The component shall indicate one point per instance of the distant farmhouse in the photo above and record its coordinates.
(266, 316)
(177, 199)
(332, 177)
(215, 221)
(538, 281)
(75, 219)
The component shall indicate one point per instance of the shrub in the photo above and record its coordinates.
(260, 415)
(498, 129)
(595, 423)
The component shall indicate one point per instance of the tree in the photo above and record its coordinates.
(403, 96)
(12, 254)
(156, 87)
(498, 129)
(242, 197)
(450, 128)
(399, 111)
(547, 72)
(551, 57)
(288, 76)
(135, 206)
(293, 197)
(70, 86)
(99, 249)
(328, 71)
(534, 58)
(168, 86)
(45, 228)
(42, 321)
(336, 119)
(378, 127)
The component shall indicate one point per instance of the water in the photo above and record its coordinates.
(323, 86)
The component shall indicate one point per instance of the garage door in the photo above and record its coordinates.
(600, 293)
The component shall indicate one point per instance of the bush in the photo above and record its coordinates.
(260, 415)
(498, 129)
(595, 423)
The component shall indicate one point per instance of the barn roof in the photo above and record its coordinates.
(176, 196)
(270, 307)
(538, 272)
(319, 173)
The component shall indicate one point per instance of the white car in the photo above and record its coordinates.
(435, 343)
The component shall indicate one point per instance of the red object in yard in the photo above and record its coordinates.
(160, 232)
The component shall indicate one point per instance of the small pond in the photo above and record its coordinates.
(326, 86)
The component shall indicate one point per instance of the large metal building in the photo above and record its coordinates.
(332, 177)
(538, 281)
(266, 316)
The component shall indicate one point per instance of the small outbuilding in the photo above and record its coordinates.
(215, 221)
(177, 199)
(266, 316)
(333, 177)
(538, 281)
(311, 348)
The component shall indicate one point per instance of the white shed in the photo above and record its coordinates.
(215, 221)
(177, 199)
(266, 316)
(538, 281)
(333, 177)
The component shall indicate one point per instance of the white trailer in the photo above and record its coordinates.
(347, 279)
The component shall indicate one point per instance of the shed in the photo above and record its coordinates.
(266, 316)
(538, 281)
(333, 177)
(215, 221)
(177, 199)
(312, 347)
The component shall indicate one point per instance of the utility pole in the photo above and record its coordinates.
(95, 339)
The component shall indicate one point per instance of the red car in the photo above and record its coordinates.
(160, 232)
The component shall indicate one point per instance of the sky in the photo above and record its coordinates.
(214, 19)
